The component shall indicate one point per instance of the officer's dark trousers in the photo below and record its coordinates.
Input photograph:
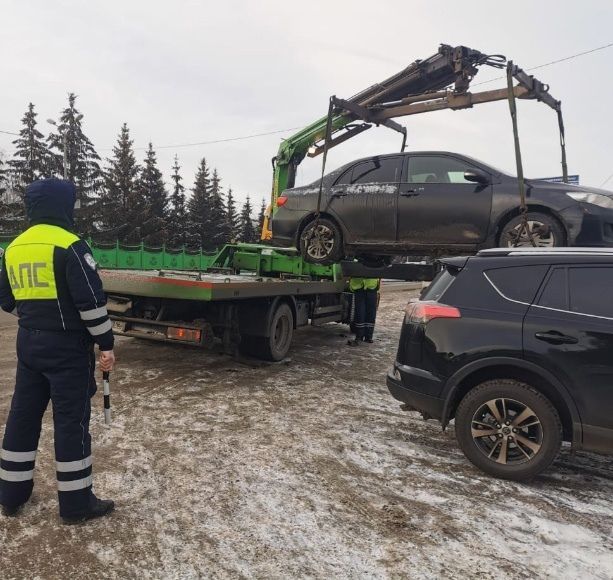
(57, 366)
(365, 313)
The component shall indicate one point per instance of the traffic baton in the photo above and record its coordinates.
(107, 397)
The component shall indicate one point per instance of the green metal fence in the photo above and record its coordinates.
(258, 259)
(141, 257)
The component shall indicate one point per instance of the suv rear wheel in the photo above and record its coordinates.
(508, 429)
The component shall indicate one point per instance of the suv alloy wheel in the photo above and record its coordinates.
(508, 429)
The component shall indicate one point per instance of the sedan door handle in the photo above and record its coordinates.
(555, 337)
(339, 193)
(409, 193)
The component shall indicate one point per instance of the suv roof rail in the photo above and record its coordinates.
(528, 251)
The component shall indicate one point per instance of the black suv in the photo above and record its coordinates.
(517, 346)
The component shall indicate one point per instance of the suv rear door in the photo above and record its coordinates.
(569, 331)
(436, 205)
(364, 198)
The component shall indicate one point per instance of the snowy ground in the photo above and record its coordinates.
(302, 469)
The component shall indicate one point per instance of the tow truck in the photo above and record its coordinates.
(251, 297)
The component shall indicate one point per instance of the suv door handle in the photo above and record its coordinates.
(555, 337)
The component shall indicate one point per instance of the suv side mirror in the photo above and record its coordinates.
(477, 176)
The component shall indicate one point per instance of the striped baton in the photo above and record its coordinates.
(107, 397)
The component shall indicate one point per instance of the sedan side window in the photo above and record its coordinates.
(386, 170)
(424, 169)
(591, 290)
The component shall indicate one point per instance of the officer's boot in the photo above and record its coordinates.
(98, 508)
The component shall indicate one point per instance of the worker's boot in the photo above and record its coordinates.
(354, 342)
(98, 509)
(11, 512)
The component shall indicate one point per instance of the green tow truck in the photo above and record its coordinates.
(252, 297)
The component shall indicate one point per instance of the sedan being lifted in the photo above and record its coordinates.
(434, 203)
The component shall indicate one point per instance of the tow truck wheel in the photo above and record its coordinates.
(321, 242)
(275, 346)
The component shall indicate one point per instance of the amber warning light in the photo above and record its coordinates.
(184, 334)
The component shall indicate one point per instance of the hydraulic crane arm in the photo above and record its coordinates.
(449, 66)
(437, 83)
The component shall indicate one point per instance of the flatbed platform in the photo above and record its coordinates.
(209, 287)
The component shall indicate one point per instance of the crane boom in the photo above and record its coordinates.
(438, 82)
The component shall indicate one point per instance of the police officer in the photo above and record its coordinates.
(365, 297)
(49, 281)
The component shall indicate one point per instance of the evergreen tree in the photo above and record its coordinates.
(31, 160)
(82, 162)
(3, 179)
(261, 216)
(232, 218)
(12, 214)
(246, 230)
(177, 217)
(122, 209)
(153, 197)
(219, 217)
(199, 209)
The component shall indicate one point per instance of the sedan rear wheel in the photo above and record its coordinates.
(321, 243)
(508, 429)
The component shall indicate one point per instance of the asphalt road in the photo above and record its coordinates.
(306, 468)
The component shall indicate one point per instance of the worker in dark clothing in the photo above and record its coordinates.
(49, 280)
(365, 298)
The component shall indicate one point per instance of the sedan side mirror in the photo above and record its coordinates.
(477, 176)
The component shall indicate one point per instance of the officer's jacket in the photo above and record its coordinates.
(49, 279)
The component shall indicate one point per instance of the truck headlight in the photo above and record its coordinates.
(594, 198)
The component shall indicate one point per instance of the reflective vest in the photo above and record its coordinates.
(49, 275)
(363, 284)
(30, 264)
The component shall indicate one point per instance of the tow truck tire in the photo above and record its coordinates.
(275, 346)
(321, 242)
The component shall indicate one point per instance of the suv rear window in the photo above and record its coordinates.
(519, 283)
(591, 290)
(441, 282)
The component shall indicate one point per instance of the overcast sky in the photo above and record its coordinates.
(186, 71)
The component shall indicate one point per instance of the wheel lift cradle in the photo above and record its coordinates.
(252, 297)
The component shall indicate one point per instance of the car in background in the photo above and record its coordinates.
(515, 345)
(434, 203)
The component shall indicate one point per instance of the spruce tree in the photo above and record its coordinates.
(177, 217)
(31, 160)
(199, 210)
(246, 230)
(82, 162)
(122, 212)
(232, 217)
(219, 217)
(153, 197)
(12, 214)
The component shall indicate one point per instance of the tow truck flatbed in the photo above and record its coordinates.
(211, 287)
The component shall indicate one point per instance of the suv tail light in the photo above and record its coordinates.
(281, 200)
(422, 312)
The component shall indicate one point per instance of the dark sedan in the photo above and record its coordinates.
(434, 203)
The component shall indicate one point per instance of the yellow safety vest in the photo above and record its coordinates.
(363, 284)
(29, 261)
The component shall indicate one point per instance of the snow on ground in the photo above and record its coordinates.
(306, 468)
